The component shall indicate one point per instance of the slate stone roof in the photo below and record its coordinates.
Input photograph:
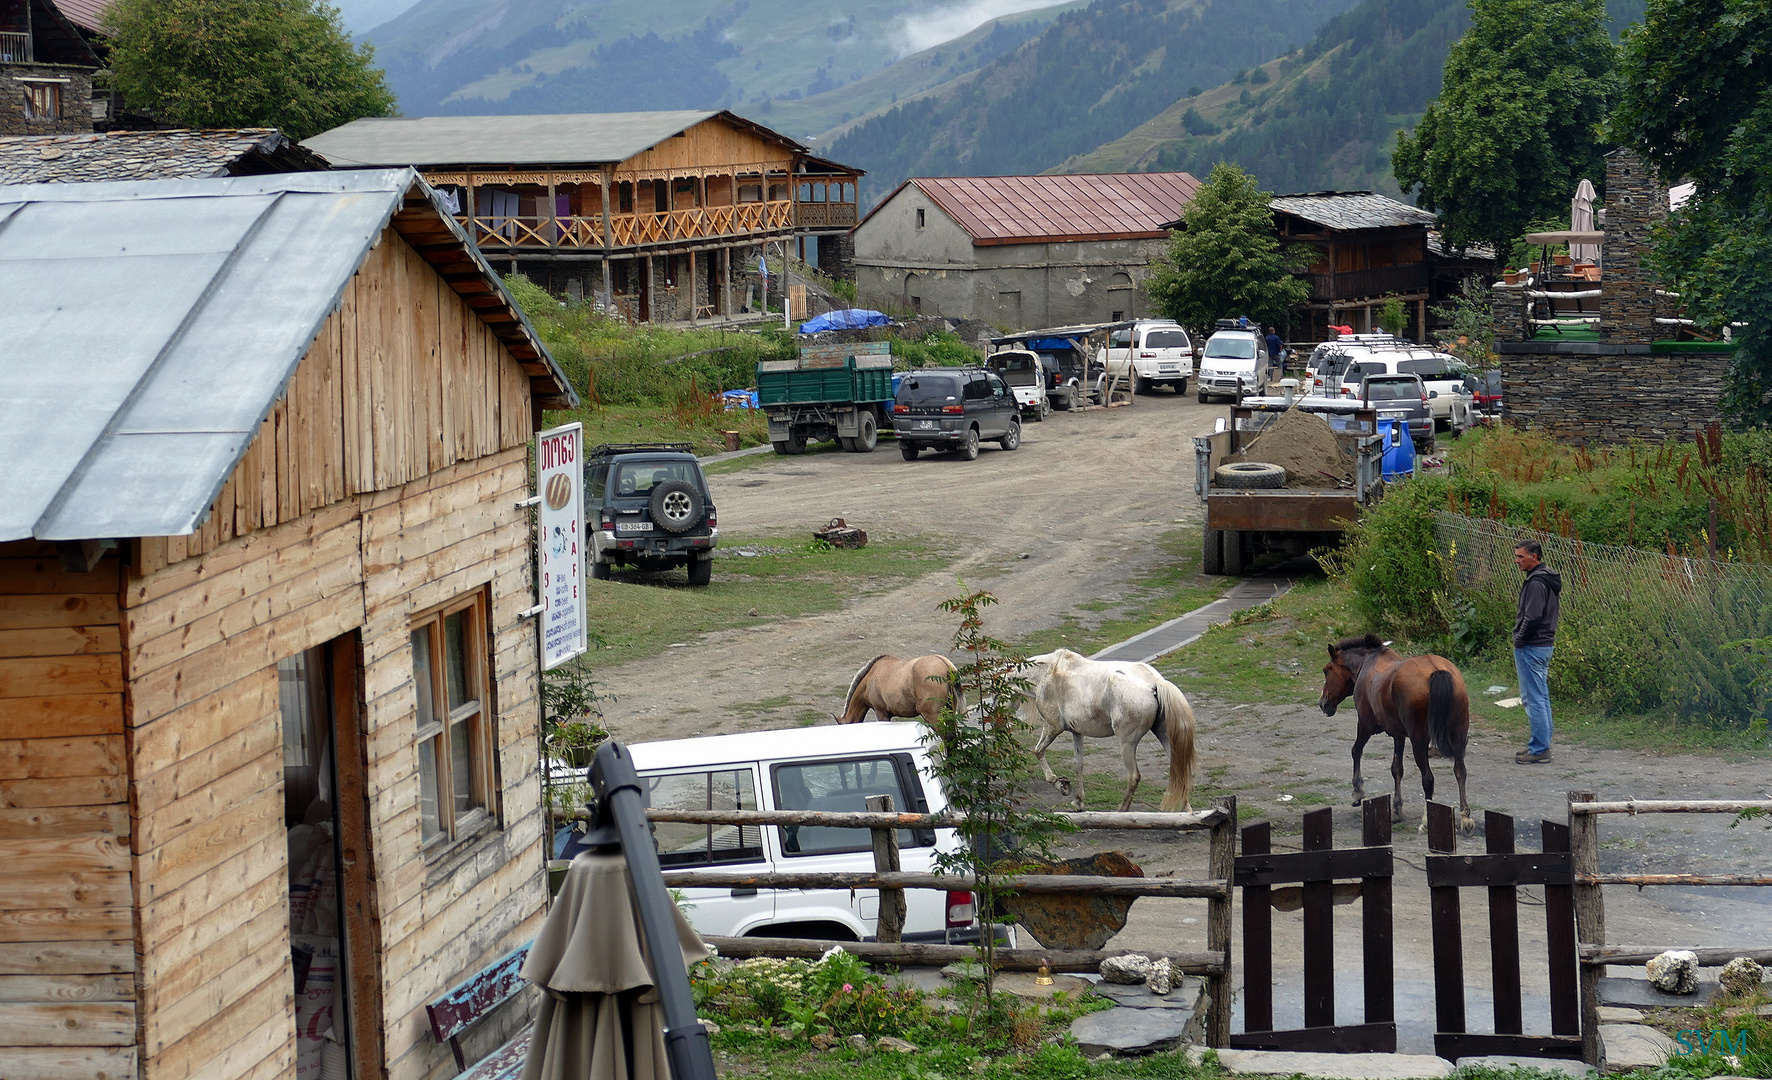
(152, 155)
(1347, 210)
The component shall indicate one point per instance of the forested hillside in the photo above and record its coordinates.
(1105, 69)
(1324, 117)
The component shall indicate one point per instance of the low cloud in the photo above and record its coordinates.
(931, 27)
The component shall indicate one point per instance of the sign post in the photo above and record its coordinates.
(560, 541)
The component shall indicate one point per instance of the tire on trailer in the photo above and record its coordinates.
(1249, 475)
(1234, 561)
(1212, 552)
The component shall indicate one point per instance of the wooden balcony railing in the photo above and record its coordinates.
(631, 230)
(14, 48)
(1360, 284)
(825, 215)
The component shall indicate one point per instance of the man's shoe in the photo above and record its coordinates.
(1527, 757)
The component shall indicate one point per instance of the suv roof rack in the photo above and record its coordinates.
(612, 449)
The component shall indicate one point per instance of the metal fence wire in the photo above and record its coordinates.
(1639, 628)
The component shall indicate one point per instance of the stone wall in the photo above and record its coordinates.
(836, 256)
(76, 95)
(1635, 202)
(1602, 392)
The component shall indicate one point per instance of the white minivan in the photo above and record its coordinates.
(817, 768)
(1158, 351)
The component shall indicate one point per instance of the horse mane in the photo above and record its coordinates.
(1360, 643)
(860, 675)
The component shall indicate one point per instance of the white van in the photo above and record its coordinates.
(1235, 365)
(1158, 351)
(1353, 358)
(818, 768)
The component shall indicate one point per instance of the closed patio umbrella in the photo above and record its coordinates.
(600, 1016)
(1581, 219)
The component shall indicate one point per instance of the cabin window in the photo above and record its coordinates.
(922, 217)
(750, 193)
(681, 844)
(450, 678)
(43, 101)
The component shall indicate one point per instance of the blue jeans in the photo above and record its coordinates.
(1532, 665)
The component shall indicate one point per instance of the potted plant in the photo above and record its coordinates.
(575, 741)
(1512, 277)
(1560, 260)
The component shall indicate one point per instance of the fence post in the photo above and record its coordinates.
(892, 907)
(1222, 866)
(1590, 920)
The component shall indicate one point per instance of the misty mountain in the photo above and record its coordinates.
(1105, 69)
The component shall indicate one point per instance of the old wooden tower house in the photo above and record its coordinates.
(268, 702)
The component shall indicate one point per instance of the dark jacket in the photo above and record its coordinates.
(1540, 605)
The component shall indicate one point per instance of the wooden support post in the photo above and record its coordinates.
(892, 903)
(649, 311)
(1590, 922)
(1375, 918)
(1221, 864)
(694, 291)
(1258, 939)
(1421, 320)
(608, 239)
(1559, 920)
(553, 216)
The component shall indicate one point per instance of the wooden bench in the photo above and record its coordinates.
(468, 1003)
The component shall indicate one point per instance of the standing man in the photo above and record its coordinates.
(1535, 633)
(1275, 346)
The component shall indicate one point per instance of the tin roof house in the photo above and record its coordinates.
(268, 699)
(152, 155)
(1018, 251)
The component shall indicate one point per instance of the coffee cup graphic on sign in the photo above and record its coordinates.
(559, 491)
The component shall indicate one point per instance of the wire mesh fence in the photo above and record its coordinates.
(1639, 628)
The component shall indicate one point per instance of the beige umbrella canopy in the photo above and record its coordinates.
(1581, 219)
(600, 1012)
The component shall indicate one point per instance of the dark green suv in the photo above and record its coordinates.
(647, 506)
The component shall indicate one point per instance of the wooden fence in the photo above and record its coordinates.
(1214, 964)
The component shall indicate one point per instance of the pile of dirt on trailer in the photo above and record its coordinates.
(1305, 446)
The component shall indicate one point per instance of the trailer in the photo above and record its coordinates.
(837, 392)
(1243, 523)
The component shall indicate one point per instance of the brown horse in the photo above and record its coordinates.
(890, 686)
(1421, 699)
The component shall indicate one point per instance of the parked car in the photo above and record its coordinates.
(1354, 358)
(819, 768)
(647, 505)
(1157, 351)
(1448, 397)
(1234, 364)
(1402, 397)
(954, 409)
(1485, 389)
(1024, 372)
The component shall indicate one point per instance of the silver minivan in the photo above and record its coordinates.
(1157, 351)
(1235, 364)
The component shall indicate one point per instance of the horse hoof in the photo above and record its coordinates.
(1396, 815)
(1469, 826)
(1358, 800)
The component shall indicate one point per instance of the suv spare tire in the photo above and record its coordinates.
(1249, 474)
(676, 506)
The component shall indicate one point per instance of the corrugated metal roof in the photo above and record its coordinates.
(150, 326)
(1351, 210)
(86, 14)
(1034, 209)
(150, 155)
(570, 138)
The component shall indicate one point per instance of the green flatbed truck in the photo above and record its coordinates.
(837, 392)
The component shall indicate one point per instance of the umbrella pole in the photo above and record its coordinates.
(619, 798)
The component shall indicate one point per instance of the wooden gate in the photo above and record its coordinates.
(1316, 870)
(1501, 870)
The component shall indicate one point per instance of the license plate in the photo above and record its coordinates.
(1391, 414)
(926, 425)
(632, 526)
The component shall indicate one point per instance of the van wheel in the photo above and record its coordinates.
(701, 571)
(908, 449)
(1013, 439)
(969, 449)
(599, 570)
(1045, 408)
(1203, 400)
(1140, 384)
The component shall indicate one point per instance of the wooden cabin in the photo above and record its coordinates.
(268, 698)
(648, 210)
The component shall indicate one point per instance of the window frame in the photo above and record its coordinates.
(51, 93)
(475, 713)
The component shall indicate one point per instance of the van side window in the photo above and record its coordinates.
(844, 786)
(594, 483)
(705, 845)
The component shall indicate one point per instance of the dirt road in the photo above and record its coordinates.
(1082, 499)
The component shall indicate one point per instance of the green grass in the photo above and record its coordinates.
(1172, 590)
(642, 615)
(651, 423)
(753, 1057)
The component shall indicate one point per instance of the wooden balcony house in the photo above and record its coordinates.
(1366, 248)
(648, 209)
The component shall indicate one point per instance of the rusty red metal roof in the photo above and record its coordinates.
(1036, 209)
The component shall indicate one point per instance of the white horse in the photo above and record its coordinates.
(1102, 698)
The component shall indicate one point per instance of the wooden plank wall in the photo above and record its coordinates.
(384, 484)
(372, 406)
(67, 992)
(711, 145)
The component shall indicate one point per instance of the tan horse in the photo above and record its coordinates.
(890, 686)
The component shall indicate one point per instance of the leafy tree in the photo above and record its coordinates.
(285, 64)
(1393, 317)
(1225, 260)
(1473, 330)
(1697, 104)
(1517, 122)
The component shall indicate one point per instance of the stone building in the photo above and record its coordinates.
(152, 155)
(46, 68)
(1633, 379)
(1018, 251)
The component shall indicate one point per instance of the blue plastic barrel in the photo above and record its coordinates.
(1399, 449)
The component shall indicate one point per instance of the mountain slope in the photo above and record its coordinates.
(1101, 70)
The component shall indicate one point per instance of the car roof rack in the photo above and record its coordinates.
(613, 449)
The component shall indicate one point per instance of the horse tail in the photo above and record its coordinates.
(954, 687)
(1177, 718)
(1439, 712)
(855, 684)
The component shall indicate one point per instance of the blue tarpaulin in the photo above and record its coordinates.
(847, 319)
(1399, 453)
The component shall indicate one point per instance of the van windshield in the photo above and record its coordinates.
(1230, 348)
(929, 390)
(1165, 339)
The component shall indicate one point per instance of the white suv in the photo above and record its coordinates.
(1235, 365)
(1158, 350)
(818, 768)
(1353, 358)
